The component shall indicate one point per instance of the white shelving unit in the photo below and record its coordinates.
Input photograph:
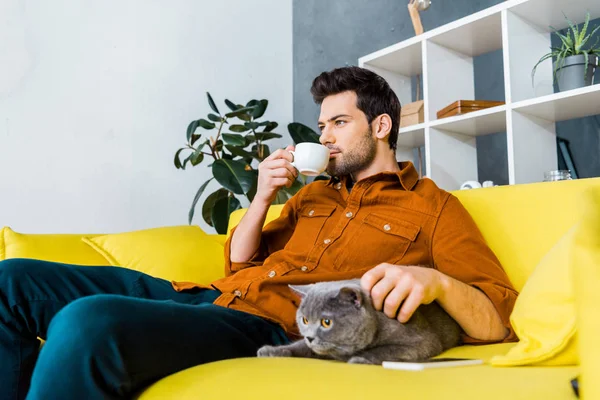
(444, 57)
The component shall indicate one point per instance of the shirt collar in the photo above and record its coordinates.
(407, 176)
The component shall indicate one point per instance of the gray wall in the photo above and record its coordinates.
(329, 34)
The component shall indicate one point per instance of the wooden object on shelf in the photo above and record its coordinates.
(412, 114)
(415, 17)
(466, 106)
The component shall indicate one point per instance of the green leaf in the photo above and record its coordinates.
(233, 139)
(211, 103)
(238, 128)
(574, 30)
(206, 124)
(567, 42)
(177, 161)
(219, 145)
(221, 210)
(233, 176)
(239, 111)
(584, 29)
(251, 125)
(187, 159)
(231, 105)
(260, 109)
(266, 136)
(245, 117)
(214, 118)
(195, 138)
(236, 151)
(301, 133)
(209, 204)
(191, 129)
(270, 126)
(287, 193)
(252, 103)
(262, 151)
(544, 58)
(197, 157)
(196, 198)
(252, 191)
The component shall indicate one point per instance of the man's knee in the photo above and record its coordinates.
(89, 322)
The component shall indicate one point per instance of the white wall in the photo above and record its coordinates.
(95, 98)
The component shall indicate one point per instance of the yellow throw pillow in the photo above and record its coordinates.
(178, 253)
(63, 248)
(544, 314)
(272, 214)
(586, 279)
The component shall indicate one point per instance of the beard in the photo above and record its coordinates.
(356, 159)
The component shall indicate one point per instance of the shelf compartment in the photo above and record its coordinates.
(403, 58)
(545, 13)
(477, 123)
(481, 36)
(576, 103)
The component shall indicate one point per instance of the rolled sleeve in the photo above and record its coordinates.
(460, 251)
(274, 237)
(257, 258)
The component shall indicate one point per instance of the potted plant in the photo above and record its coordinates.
(574, 64)
(235, 151)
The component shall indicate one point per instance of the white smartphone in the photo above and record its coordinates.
(433, 363)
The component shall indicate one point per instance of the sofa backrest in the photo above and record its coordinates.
(519, 222)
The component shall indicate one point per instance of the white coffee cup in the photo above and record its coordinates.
(310, 159)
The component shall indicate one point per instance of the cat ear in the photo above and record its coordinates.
(351, 295)
(300, 290)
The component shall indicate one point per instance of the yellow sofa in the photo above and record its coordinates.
(521, 224)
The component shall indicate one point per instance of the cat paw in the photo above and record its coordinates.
(359, 360)
(273, 351)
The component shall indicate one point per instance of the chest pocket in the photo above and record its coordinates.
(308, 227)
(379, 239)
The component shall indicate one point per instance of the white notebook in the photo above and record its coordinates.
(433, 363)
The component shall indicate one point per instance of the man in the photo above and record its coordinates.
(110, 331)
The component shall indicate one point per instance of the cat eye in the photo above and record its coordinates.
(326, 323)
(304, 321)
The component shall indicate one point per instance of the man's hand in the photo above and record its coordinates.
(275, 172)
(393, 285)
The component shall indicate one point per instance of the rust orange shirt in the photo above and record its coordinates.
(326, 232)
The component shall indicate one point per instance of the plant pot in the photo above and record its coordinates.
(572, 73)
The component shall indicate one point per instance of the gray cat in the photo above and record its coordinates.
(338, 322)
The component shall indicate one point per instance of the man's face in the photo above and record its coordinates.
(347, 133)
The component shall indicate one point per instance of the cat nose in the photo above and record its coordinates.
(310, 339)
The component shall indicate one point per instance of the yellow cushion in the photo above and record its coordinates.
(236, 216)
(544, 314)
(180, 253)
(50, 247)
(521, 223)
(300, 379)
(586, 278)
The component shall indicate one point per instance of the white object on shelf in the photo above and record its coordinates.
(444, 57)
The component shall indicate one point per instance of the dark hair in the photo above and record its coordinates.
(375, 97)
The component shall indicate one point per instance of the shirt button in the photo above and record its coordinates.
(387, 227)
(338, 186)
(349, 214)
(272, 274)
(327, 241)
(311, 213)
(304, 268)
(237, 293)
